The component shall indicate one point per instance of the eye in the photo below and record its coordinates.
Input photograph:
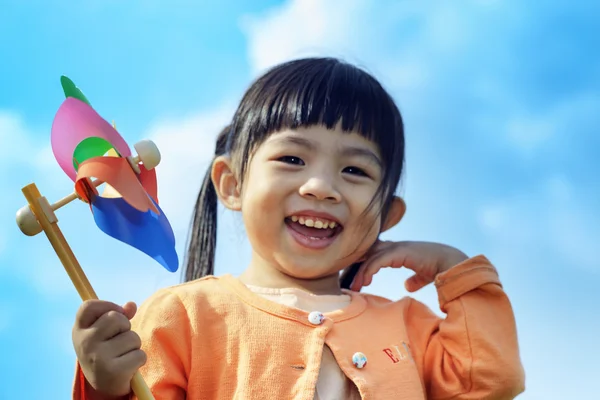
(355, 171)
(291, 160)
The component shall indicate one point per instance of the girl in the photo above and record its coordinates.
(312, 160)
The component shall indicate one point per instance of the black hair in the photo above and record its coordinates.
(199, 260)
(301, 93)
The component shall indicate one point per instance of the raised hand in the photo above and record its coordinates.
(426, 259)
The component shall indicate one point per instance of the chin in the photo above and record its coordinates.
(308, 271)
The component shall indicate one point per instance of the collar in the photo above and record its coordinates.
(356, 307)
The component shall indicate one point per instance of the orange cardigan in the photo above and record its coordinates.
(214, 339)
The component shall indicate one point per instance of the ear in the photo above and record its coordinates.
(395, 213)
(226, 183)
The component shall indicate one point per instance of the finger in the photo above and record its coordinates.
(377, 247)
(130, 308)
(382, 254)
(123, 343)
(364, 277)
(416, 282)
(383, 258)
(110, 325)
(360, 277)
(370, 273)
(91, 310)
(369, 253)
(131, 361)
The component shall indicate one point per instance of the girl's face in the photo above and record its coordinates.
(304, 200)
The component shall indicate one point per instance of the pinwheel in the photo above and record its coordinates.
(92, 154)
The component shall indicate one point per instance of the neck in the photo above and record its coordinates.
(259, 273)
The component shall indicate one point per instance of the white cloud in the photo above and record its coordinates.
(358, 31)
(300, 28)
(13, 131)
(187, 146)
(18, 152)
(352, 30)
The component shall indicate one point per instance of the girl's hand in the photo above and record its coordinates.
(109, 352)
(424, 258)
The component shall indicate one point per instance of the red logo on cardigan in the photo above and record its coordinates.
(399, 353)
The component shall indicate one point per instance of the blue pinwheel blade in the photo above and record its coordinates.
(145, 231)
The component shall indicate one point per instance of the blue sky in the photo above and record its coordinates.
(500, 100)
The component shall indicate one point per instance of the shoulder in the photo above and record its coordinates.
(207, 290)
(375, 302)
(210, 295)
(190, 304)
(197, 289)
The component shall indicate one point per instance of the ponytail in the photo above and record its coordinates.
(200, 258)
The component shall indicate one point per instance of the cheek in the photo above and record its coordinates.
(358, 199)
(264, 199)
(362, 239)
(367, 226)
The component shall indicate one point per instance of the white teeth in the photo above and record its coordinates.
(317, 223)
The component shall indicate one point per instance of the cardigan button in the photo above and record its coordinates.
(316, 318)
(359, 360)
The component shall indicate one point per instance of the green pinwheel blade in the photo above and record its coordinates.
(72, 91)
(89, 148)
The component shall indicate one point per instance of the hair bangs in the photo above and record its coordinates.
(325, 91)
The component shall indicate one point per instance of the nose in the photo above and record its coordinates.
(320, 189)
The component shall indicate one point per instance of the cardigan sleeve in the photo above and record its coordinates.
(164, 328)
(473, 353)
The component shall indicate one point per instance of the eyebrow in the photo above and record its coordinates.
(347, 151)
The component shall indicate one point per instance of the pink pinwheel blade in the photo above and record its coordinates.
(75, 122)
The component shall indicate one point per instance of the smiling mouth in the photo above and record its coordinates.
(313, 232)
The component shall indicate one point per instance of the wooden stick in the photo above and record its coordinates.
(73, 196)
(47, 219)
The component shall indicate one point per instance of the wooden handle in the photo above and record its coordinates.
(47, 219)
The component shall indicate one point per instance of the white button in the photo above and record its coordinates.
(359, 360)
(316, 318)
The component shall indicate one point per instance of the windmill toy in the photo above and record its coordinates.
(93, 154)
